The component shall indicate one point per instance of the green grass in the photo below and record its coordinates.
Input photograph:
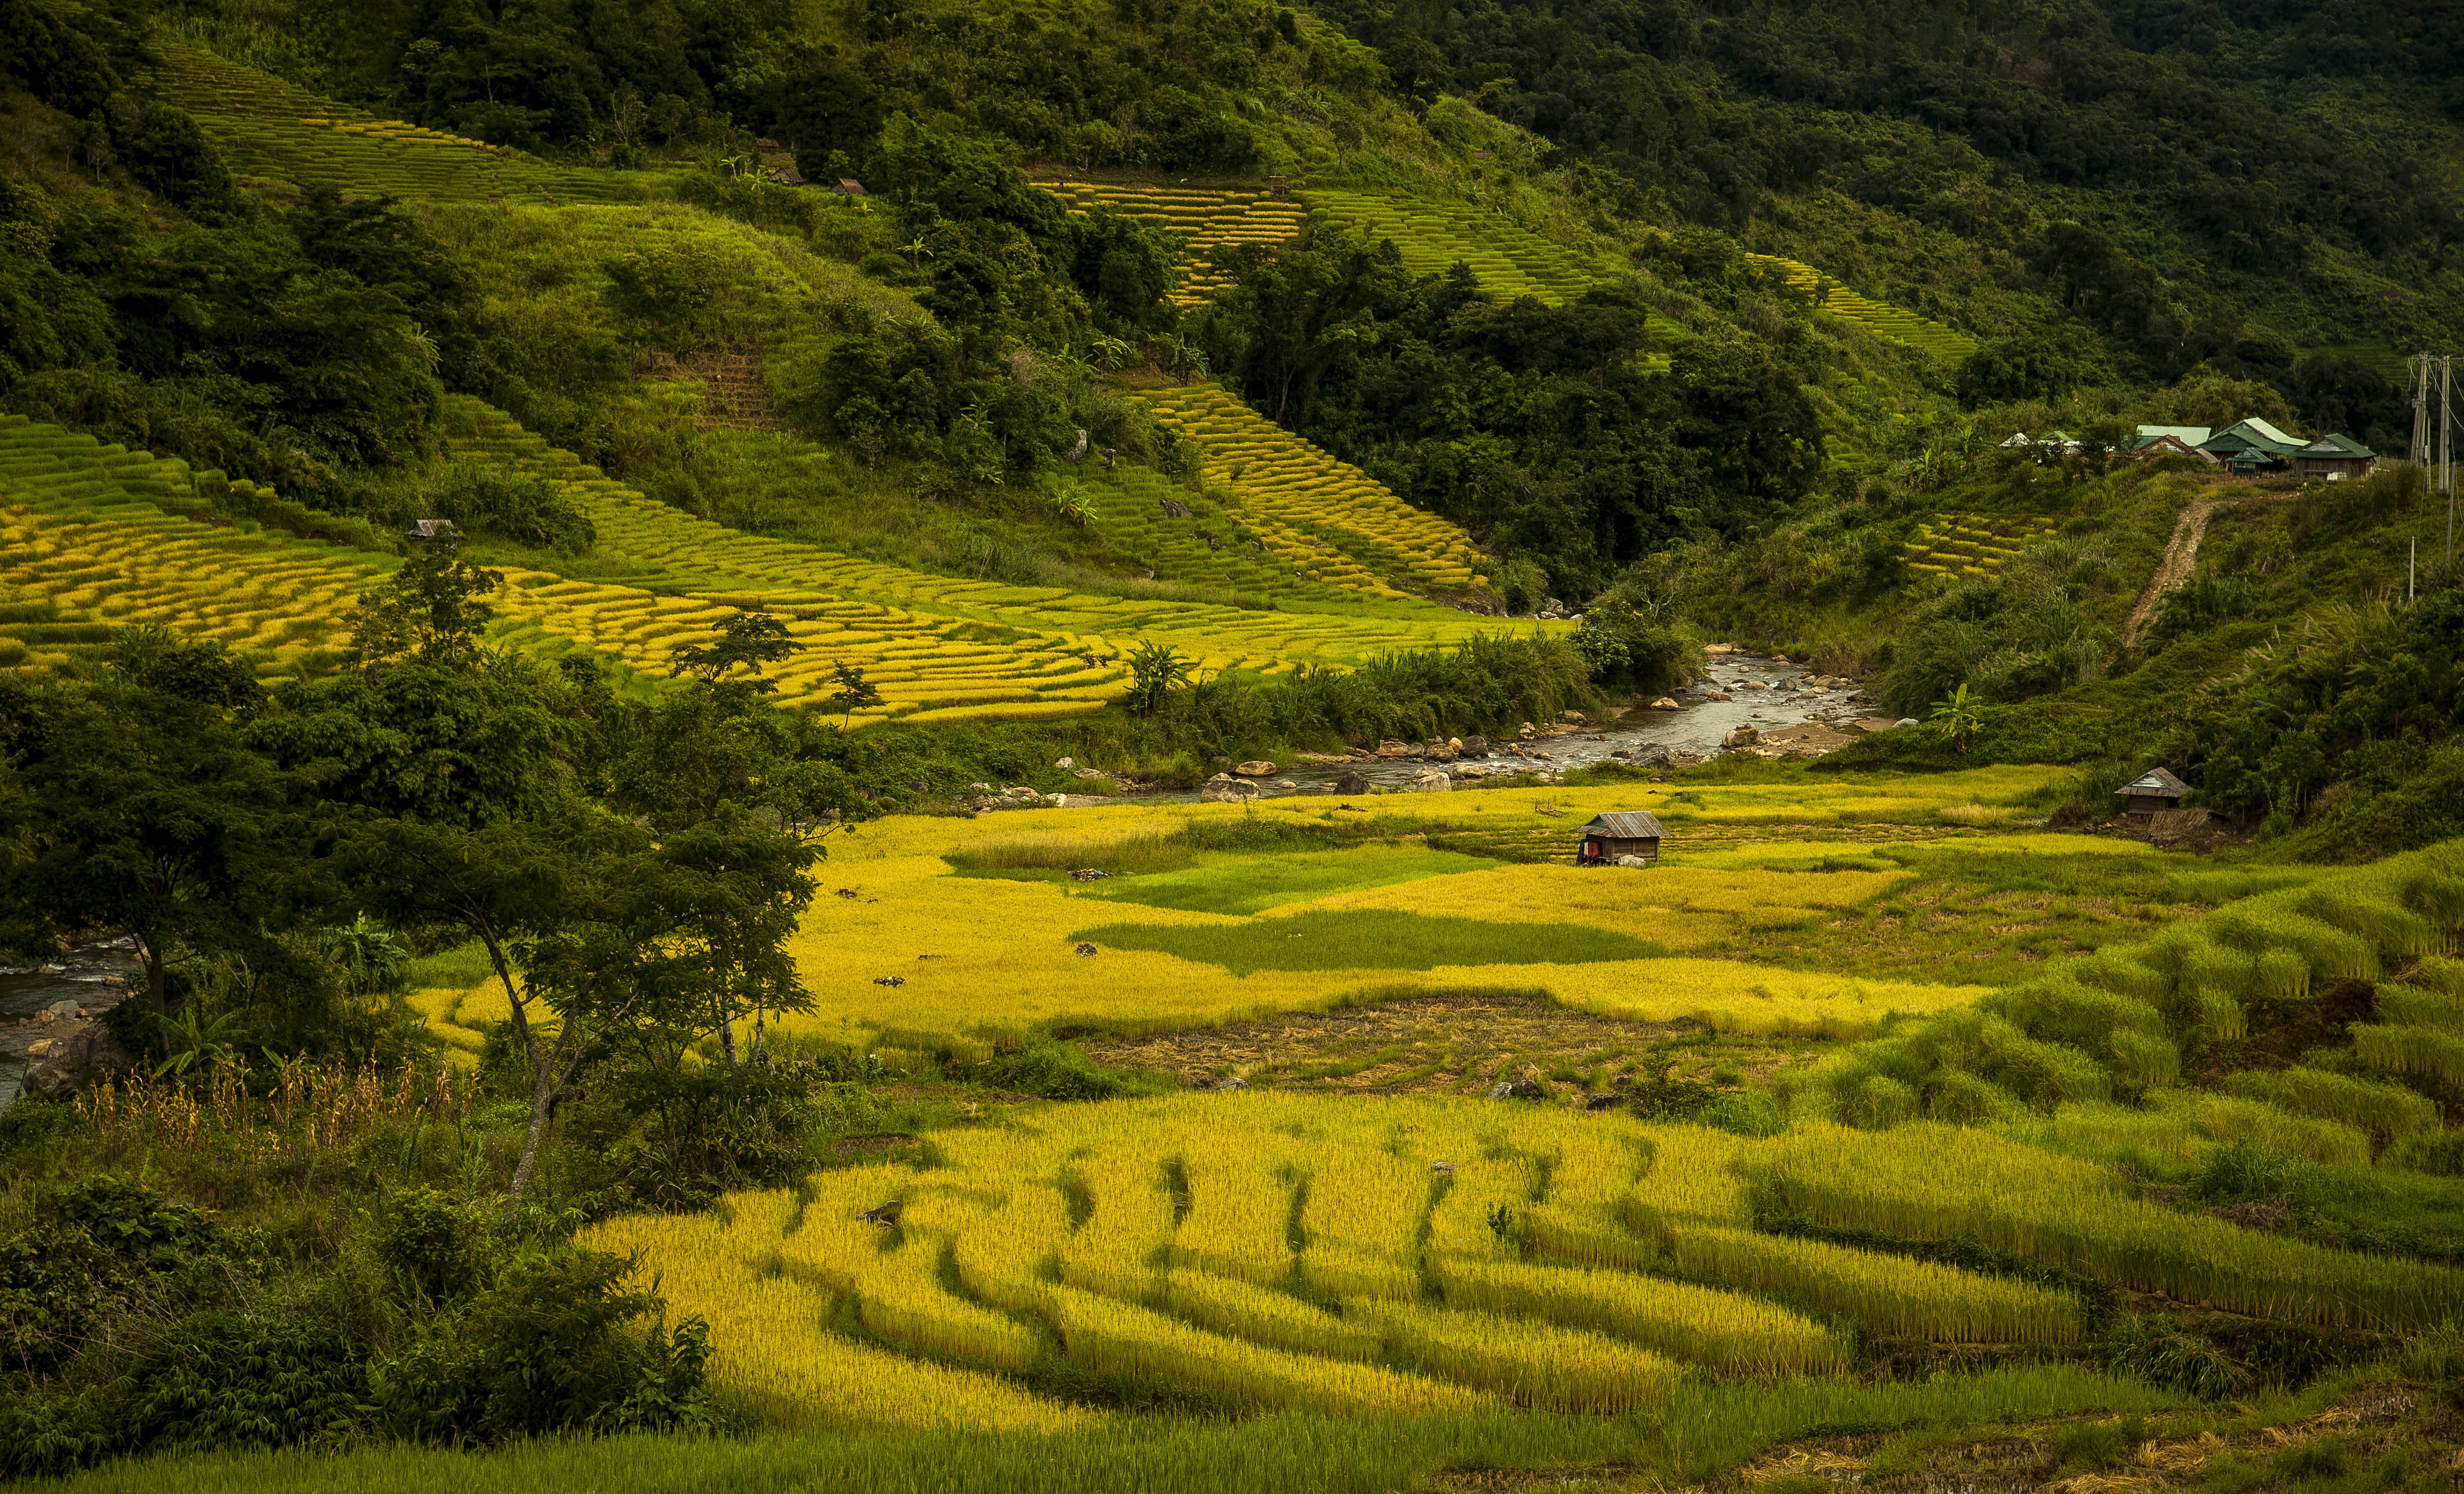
(1255, 884)
(1372, 939)
(1705, 1429)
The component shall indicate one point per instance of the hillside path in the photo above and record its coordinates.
(2181, 558)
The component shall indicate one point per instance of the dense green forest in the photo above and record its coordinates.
(2265, 189)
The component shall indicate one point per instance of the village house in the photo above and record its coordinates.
(2151, 437)
(2333, 458)
(2167, 444)
(2249, 445)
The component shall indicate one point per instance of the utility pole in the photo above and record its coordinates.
(2438, 460)
(2446, 453)
(2418, 365)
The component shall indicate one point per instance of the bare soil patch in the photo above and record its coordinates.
(1456, 1044)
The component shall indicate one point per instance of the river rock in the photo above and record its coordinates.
(1065, 763)
(1666, 703)
(1527, 731)
(1255, 770)
(1352, 783)
(1741, 737)
(75, 1059)
(1440, 752)
(1221, 790)
(1517, 1090)
(1390, 749)
(1089, 773)
(1474, 746)
(1573, 718)
(1431, 781)
(1632, 861)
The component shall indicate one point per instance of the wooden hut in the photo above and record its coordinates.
(2152, 793)
(426, 529)
(1618, 833)
(2335, 458)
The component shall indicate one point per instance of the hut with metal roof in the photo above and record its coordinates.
(1631, 832)
(2152, 793)
(2334, 457)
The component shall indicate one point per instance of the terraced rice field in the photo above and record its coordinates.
(94, 538)
(676, 552)
(1207, 219)
(1327, 520)
(1947, 343)
(1191, 537)
(1951, 545)
(272, 128)
(1508, 260)
(1372, 1260)
(97, 537)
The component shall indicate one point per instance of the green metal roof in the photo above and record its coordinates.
(2251, 435)
(2338, 445)
(2188, 435)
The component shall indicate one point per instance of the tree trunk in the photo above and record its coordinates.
(727, 1031)
(543, 1088)
(513, 1002)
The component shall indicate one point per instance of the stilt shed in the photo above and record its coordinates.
(2152, 792)
(1633, 832)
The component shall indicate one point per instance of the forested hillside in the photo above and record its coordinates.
(2269, 189)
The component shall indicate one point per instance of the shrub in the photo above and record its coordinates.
(549, 1346)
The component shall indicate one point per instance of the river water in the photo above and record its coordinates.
(1767, 693)
(78, 976)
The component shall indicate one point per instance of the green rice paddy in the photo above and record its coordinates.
(1372, 939)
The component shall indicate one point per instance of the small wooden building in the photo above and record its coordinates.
(2152, 793)
(846, 186)
(2336, 458)
(426, 529)
(1618, 833)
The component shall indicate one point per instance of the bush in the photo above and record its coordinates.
(1058, 1071)
(520, 506)
(548, 1347)
(232, 1380)
(2027, 631)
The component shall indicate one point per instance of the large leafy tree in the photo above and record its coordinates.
(138, 811)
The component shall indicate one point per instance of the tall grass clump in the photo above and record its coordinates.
(2385, 1111)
